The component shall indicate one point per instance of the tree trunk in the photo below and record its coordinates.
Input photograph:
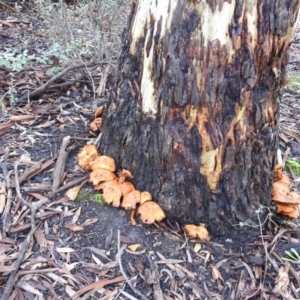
(194, 111)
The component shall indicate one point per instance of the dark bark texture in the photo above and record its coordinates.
(207, 150)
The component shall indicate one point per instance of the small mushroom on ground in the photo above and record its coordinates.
(286, 201)
(88, 154)
(101, 175)
(150, 212)
(197, 232)
(96, 125)
(103, 162)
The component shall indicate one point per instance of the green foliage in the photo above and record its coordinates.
(53, 71)
(98, 198)
(293, 256)
(294, 165)
(17, 62)
(295, 82)
(12, 92)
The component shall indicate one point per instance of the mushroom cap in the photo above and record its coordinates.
(112, 195)
(124, 174)
(103, 162)
(291, 211)
(149, 212)
(101, 175)
(87, 154)
(131, 199)
(126, 187)
(197, 232)
(99, 111)
(145, 196)
(103, 185)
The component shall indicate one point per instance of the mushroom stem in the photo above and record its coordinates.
(132, 220)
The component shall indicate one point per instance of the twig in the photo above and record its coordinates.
(60, 163)
(120, 252)
(68, 83)
(44, 87)
(33, 207)
(69, 184)
(5, 223)
(34, 170)
(157, 292)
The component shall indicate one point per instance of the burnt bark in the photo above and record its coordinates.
(194, 111)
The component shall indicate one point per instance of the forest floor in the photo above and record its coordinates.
(55, 248)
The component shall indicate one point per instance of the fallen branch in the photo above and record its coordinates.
(33, 207)
(119, 255)
(44, 87)
(60, 163)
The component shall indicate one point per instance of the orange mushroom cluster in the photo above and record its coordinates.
(286, 201)
(116, 190)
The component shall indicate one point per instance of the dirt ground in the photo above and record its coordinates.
(82, 249)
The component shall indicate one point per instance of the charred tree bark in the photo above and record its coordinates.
(194, 112)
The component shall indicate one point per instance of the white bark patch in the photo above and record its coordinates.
(163, 10)
(215, 25)
(252, 17)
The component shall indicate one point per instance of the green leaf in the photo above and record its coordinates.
(4, 63)
(294, 165)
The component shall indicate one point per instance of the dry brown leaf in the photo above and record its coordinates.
(73, 193)
(96, 125)
(6, 269)
(124, 174)
(197, 232)
(145, 196)
(86, 156)
(99, 111)
(2, 198)
(73, 227)
(112, 196)
(134, 247)
(216, 273)
(103, 162)
(282, 281)
(40, 237)
(65, 250)
(149, 212)
(89, 222)
(101, 175)
(131, 200)
(76, 216)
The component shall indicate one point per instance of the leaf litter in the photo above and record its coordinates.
(74, 252)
